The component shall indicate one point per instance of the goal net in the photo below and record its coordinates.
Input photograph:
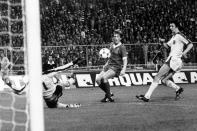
(20, 43)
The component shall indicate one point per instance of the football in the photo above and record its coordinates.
(104, 53)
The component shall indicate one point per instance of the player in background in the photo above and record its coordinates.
(115, 66)
(172, 64)
(4, 74)
(5, 64)
(50, 63)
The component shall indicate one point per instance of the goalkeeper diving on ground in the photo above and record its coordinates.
(52, 91)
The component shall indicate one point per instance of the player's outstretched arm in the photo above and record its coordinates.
(61, 68)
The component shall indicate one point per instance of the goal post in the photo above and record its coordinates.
(33, 44)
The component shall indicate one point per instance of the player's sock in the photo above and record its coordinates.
(108, 93)
(152, 87)
(107, 89)
(102, 86)
(172, 85)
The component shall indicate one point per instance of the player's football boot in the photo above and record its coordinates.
(112, 94)
(142, 97)
(178, 93)
(108, 99)
(104, 99)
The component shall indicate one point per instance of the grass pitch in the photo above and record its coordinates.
(127, 113)
(162, 113)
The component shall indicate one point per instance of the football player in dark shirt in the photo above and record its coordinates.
(115, 66)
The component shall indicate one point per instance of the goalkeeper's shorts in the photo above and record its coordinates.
(52, 101)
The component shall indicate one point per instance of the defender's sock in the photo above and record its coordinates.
(152, 87)
(172, 85)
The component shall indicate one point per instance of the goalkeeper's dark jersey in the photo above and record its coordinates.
(117, 54)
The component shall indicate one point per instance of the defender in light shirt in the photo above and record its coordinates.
(172, 64)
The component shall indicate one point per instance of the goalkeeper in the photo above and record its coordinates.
(53, 91)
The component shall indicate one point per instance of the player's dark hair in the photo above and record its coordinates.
(176, 23)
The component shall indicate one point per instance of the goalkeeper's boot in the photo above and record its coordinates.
(178, 93)
(104, 99)
(142, 97)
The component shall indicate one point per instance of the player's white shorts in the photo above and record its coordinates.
(175, 63)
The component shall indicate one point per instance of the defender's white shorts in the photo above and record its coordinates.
(174, 63)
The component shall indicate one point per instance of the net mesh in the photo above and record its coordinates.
(14, 109)
(14, 113)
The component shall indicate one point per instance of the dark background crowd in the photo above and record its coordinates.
(73, 28)
(71, 21)
(91, 22)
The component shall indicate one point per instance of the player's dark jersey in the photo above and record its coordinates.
(117, 54)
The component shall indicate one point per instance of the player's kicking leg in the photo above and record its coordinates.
(101, 84)
(105, 85)
(165, 72)
(162, 72)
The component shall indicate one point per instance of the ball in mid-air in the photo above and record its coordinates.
(104, 53)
